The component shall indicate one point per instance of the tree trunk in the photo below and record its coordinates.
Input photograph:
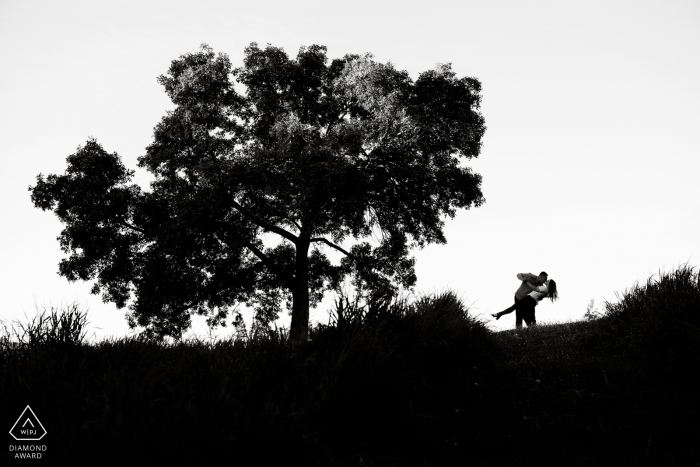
(300, 294)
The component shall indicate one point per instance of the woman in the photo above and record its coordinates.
(525, 308)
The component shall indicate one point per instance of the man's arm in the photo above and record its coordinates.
(527, 277)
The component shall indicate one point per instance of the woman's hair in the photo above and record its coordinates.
(553, 294)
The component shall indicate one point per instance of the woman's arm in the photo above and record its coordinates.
(538, 288)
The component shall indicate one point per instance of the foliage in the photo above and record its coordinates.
(312, 156)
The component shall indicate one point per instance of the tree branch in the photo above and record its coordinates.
(338, 120)
(266, 225)
(283, 278)
(340, 249)
(332, 245)
(292, 221)
(133, 227)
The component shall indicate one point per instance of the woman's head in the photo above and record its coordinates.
(552, 290)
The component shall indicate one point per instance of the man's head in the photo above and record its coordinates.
(542, 277)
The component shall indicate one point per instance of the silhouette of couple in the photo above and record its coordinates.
(531, 291)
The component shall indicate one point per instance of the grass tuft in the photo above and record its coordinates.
(657, 322)
(53, 327)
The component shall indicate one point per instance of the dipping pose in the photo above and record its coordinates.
(525, 305)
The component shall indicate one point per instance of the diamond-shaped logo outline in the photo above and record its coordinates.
(35, 418)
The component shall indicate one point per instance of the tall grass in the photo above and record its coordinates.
(668, 302)
(383, 382)
(657, 322)
(379, 386)
(54, 327)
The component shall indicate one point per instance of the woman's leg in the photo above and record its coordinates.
(507, 310)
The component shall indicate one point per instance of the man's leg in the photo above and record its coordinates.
(518, 317)
(529, 317)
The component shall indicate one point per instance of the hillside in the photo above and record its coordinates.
(421, 384)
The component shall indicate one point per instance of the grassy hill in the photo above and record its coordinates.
(422, 384)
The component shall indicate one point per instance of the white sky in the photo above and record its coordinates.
(590, 161)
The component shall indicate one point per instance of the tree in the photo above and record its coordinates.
(314, 156)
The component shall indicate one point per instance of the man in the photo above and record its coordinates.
(528, 281)
(524, 288)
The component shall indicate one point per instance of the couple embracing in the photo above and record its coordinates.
(531, 291)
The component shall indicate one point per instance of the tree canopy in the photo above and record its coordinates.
(252, 189)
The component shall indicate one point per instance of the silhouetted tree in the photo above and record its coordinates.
(311, 155)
